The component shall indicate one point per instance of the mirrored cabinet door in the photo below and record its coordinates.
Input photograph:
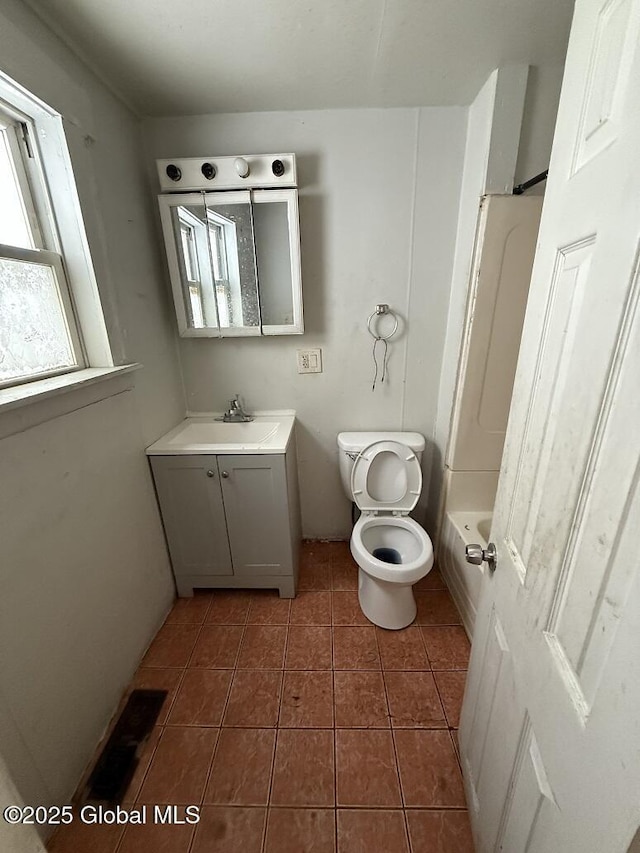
(212, 263)
(234, 262)
(277, 235)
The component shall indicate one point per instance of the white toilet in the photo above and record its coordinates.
(381, 473)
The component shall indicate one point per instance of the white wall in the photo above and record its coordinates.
(84, 575)
(379, 193)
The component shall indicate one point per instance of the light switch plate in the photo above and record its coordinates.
(309, 360)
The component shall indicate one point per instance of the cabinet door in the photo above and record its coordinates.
(191, 502)
(255, 502)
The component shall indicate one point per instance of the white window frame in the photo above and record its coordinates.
(46, 245)
(223, 239)
(191, 264)
(9, 122)
(202, 288)
(209, 240)
(69, 240)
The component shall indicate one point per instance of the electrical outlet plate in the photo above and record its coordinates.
(309, 360)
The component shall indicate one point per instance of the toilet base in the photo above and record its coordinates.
(387, 604)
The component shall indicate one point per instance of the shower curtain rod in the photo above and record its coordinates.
(530, 183)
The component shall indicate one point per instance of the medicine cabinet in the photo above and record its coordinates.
(234, 261)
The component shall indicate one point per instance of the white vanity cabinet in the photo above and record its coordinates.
(231, 520)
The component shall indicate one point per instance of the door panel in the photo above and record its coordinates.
(550, 392)
(193, 514)
(549, 736)
(257, 514)
(529, 797)
(613, 44)
(491, 685)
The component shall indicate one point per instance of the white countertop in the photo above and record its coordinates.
(268, 432)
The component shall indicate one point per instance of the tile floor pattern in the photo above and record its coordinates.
(299, 727)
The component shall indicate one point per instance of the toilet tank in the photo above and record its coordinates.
(351, 443)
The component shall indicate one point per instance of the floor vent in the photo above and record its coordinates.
(117, 763)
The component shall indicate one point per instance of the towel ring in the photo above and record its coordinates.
(380, 310)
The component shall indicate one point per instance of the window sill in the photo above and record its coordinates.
(25, 406)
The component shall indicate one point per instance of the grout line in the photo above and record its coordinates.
(200, 631)
(395, 749)
(224, 711)
(334, 715)
(272, 769)
(175, 698)
(118, 846)
(455, 750)
(391, 727)
(351, 807)
(335, 747)
(407, 833)
(424, 644)
(119, 841)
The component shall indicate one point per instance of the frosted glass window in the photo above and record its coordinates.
(34, 335)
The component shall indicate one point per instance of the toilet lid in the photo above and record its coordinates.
(386, 477)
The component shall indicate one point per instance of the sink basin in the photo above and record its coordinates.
(200, 435)
(212, 432)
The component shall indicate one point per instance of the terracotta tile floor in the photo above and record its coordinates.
(298, 727)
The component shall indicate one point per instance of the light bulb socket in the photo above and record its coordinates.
(208, 170)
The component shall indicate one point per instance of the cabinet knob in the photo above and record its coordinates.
(225, 474)
(211, 473)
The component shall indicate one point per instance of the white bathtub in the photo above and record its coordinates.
(473, 526)
(460, 529)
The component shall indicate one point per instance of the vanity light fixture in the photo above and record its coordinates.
(211, 172)
(242, 167)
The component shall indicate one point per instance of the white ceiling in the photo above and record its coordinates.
(178, 57)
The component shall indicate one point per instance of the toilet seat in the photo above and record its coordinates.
(386, 478)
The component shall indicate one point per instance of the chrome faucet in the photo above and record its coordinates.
(235, 413)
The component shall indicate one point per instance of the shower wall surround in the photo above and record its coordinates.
(496, 303)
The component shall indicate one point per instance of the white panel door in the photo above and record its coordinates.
(550, 730)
